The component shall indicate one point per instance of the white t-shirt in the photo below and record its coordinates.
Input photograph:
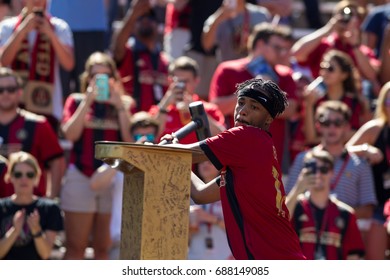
(63, 32)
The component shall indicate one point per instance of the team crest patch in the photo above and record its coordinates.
(303, 218)
(21, 134)
(340, 223)
(140, 63)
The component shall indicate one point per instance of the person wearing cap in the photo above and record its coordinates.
(326, 227)
(250, 184)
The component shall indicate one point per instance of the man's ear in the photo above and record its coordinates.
(269, 120)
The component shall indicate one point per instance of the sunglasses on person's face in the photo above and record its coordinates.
(328, 123)
(18, 174)
(11, 89)
(149, 137)
(327, 67)
(323, 169)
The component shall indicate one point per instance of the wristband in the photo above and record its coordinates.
(37, 235)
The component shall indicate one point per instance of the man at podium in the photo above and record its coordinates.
(250, 185)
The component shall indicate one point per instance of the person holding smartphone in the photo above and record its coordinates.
(35, 45)
(173, 110)
(326, 227)
(95, 114)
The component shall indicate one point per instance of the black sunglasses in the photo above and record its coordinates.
(327, 67)
(11, 89)
(18, 174)
(328, 123)
(324, 169)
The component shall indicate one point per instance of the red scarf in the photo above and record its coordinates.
(41, 66)
(37, 70)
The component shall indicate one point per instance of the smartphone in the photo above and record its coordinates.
(311, 165)
(319, 86)
(103, 89)
(38, 13)
(180, 85)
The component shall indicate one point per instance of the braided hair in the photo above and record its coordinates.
(276, 96)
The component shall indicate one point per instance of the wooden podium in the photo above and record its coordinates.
(156, 198)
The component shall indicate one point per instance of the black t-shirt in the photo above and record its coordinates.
(24, 247)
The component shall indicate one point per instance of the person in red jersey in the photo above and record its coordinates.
(173, 110)
(88, 118)
(250, 184)
(21, 130)
(140, 60)
(326, 227)
(268, 47)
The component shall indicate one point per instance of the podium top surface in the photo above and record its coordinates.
(196, 155)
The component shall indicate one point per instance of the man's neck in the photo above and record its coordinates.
(150, 44)
(320, 198)
(334, 149)
(7, 116)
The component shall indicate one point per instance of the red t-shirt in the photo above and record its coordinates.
(252, 195)
(175, 120)
(333, 42)
(175, 18)
(230, 73)
(145, 76)
(340, 235)
(101, 123)
(30, 133)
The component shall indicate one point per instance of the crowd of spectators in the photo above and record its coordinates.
(158, 57)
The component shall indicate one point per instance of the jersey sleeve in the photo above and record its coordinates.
(69, 109)
(48, 140)
(234, 147)
(51, 215)
(352, 240)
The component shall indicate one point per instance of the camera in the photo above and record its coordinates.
(39, 13)
(346, 15)
(311, 166)
(180, 85)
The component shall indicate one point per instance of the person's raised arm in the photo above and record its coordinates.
(306, 45)
(384, 71)
(277, 7)
(210, 28)
(137, 9)
(63, 52)
(73, 128)
(12, 46)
